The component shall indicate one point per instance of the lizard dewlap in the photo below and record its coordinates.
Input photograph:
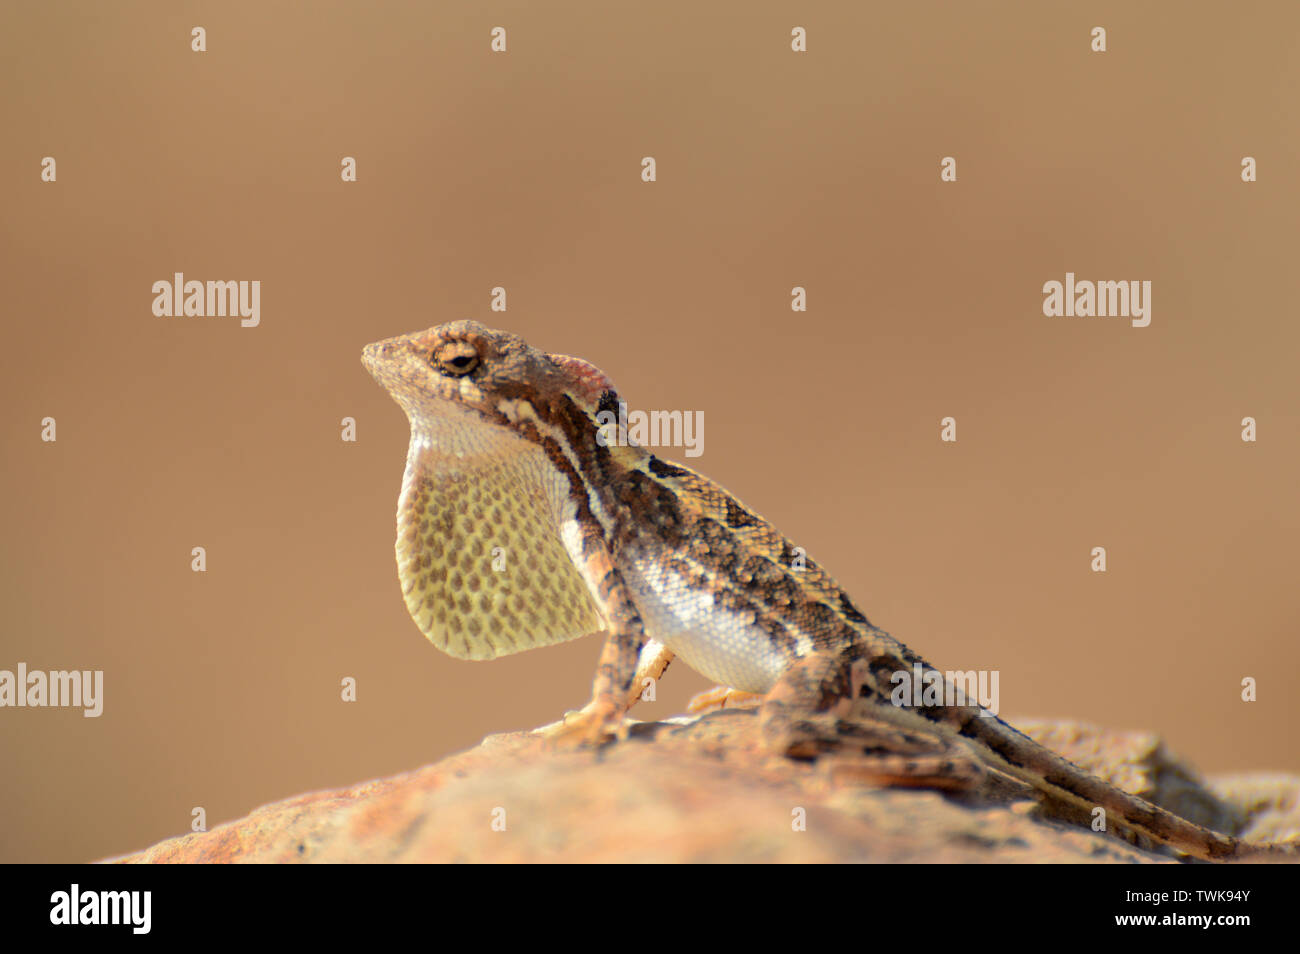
(481, 574)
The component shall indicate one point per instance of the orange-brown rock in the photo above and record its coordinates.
(704, 791)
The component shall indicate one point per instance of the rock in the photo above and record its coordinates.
(1269, 802)
(704, 791)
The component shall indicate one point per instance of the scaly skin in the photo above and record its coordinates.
(524, 521)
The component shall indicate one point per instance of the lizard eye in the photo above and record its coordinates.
(456, 358)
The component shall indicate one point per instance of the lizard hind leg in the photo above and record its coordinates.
(821, 708)
(800, 714)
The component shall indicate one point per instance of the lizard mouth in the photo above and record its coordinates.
(378, 357)
(442, 415)
(370, 359)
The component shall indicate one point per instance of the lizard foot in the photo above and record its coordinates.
(722, 697)
(593, 725)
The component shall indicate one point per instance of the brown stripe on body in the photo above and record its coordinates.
(661, 468)
(740, 579)
(701, 578)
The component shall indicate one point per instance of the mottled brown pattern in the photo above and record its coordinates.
(506, 448)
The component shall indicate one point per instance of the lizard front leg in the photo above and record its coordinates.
(653, 661)
(624, 662)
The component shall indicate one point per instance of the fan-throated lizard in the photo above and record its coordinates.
(523, 521)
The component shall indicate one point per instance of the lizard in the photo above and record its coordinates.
(527, 518)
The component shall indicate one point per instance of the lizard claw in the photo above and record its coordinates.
(593, 725)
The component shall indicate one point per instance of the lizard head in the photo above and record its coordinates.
(463, 367)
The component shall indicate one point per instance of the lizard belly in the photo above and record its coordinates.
(718, 642)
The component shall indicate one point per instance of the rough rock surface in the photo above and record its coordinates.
(703, 791)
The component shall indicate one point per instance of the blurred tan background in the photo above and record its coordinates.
(522, 169)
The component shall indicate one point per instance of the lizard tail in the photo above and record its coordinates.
(1057, 778)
